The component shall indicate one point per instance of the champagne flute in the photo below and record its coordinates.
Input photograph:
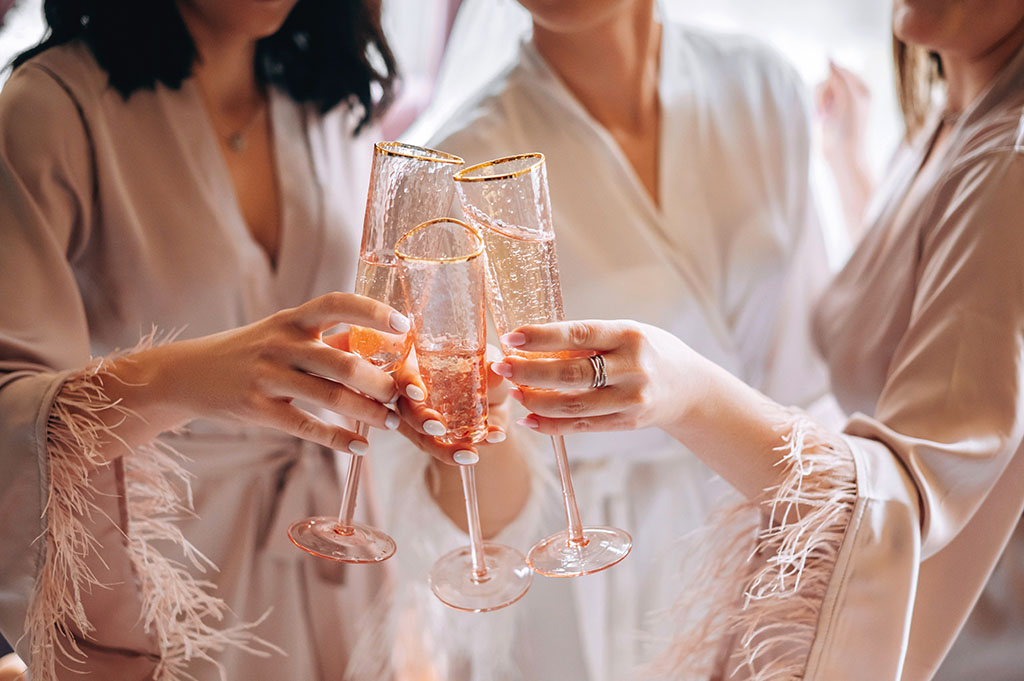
(507, 200)
(441, 264)
(408, 185)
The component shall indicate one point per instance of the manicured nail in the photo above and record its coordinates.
(415, 392)
(358, 447)
(391, 421)
(529, 421)
(502, 369)
(514, 339)
(434, 427)
(465, 457)
(399, 323)
(516, 394)
(496, 436)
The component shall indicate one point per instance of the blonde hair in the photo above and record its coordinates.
(918, 77)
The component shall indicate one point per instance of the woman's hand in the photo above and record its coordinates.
(843, 102)
(421, 425)
(254, 373)
(502, 474)
(650, 381)
(654, 380)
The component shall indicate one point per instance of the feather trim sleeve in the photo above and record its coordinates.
(177, 613)
(755, 578)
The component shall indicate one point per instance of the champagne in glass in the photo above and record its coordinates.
(407, 186)
(507, 201)
(443, 272)
(379, 280)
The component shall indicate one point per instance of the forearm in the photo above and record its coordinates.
(503, 486)
(855, 184)
(732, 428)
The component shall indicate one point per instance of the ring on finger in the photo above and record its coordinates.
(600, 371)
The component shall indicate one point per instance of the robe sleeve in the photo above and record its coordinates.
(831, 580)
(45, 196)
(83, 586)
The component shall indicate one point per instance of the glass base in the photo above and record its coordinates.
(556, 556)
(324, 537)
(507, 579)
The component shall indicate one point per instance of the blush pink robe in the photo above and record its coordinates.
(875, 548)
(116, 217)
(923, 331)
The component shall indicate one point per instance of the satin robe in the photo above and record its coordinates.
(729, 261)
(118, 216)
(923, 332)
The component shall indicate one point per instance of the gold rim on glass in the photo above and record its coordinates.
(464, 174)
(461, 258)
(419, 153)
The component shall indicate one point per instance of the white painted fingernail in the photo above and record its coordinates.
(514, 339)
(399, 322)
(435, 428)
(358, 447)
(391, 421)
(465, 457)
(496, 436)
(415, 392)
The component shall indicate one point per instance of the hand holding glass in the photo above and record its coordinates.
(507, 200)
(407, 186)
(442, 269)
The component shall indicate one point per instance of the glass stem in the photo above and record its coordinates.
(572, 511)
(476, 542)
(348, 500)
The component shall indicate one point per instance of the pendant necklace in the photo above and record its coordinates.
(236, 140)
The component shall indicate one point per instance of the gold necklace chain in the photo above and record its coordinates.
(236, 140)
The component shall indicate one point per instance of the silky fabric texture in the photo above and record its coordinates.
(729, 262)
(118, 216)
(923, 332)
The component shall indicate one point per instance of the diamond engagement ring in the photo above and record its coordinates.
(600, 371)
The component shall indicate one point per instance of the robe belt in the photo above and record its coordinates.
(304, 474)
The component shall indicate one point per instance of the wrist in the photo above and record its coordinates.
(144, 382)
(697, 391)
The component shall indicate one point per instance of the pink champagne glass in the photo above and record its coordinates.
(507, 200)
(441, 264)
(407, 186)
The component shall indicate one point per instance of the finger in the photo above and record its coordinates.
(597, 335)
(850, 80)
(495, 434)
(344, 367)
(280, 414)
(452, 455)
(594, 424)
(338, 341)
(332, 309)
(421, 418)
(557, 374)
(824, 97)
(407, 378)
(497, 423)
(335, 397)
(497, 387)
(574, 403)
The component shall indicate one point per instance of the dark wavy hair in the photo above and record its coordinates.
(327, 52)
